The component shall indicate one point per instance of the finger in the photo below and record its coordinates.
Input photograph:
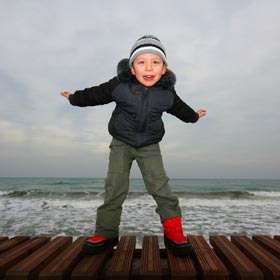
(64, 93)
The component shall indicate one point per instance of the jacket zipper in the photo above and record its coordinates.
(145, 97)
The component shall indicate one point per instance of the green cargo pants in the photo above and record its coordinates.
(150, 163)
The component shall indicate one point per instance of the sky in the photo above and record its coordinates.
(225, 55)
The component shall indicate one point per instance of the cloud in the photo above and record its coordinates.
(225, 56)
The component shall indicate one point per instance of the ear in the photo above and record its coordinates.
(164, 69)
(132, 70)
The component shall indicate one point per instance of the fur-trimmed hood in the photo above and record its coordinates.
(167, 81)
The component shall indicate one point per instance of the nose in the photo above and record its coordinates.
(149, 66)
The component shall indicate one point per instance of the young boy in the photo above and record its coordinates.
(142, 91)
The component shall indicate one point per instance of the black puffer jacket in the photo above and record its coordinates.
(136, 120)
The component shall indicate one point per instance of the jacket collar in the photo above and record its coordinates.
(167, 81)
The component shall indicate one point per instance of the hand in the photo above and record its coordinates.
(201, 113)
(66, 94)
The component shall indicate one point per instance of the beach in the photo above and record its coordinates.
(67, 206)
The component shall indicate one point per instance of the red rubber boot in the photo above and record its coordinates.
(174, 238)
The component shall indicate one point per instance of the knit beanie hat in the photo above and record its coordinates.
(147, 44)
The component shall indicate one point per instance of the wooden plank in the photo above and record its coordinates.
(150, 264)
(121, 263)
(210, 266)
(269, 244)
(18, 253)
(241, 258)
(60, 267)
(30, 267)
(277, 237)
(239, 265)
(3, 238)
(269, 264)
(90, 266)
(10, 243)
(181, 268)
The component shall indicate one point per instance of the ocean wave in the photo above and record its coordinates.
(48, 194)
(60, 183)
(5, 193)
(200, 216)
(234, 195)
(266, 194)
(218, 194)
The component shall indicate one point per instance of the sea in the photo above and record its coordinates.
(67, 206)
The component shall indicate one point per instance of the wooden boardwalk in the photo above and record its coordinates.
(43, 258)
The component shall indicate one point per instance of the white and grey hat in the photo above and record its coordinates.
(147, 44)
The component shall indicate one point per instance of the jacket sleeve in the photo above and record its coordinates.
(182, 111)
(97, 95)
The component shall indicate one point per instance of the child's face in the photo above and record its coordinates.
(148, 69)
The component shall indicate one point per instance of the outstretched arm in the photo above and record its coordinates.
(96, 95)
(184, 112)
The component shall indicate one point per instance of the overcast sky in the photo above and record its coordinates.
(225, 55)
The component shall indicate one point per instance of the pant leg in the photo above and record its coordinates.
(150, 162)
(116, 190)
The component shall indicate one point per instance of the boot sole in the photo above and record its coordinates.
(90, 248)
(179, 249)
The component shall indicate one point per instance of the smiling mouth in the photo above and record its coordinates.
(148, 77)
